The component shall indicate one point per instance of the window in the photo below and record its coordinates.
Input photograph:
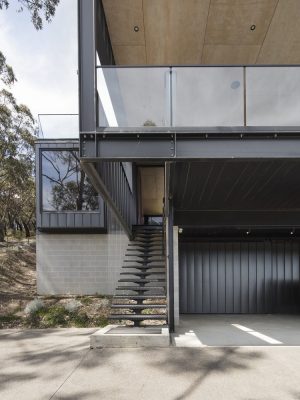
(65, 187)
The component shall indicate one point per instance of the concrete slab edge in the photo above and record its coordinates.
(102, 338)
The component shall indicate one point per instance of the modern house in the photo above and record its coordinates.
(186, 166)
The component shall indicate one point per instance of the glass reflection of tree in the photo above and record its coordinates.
(70, 188)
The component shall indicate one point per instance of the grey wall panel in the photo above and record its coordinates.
(239, 277)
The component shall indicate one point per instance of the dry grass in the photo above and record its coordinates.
(18, 288)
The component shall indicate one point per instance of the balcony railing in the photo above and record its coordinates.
(58, 126)
(203, 96)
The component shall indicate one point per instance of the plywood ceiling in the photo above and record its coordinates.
(152, 188)
(204, 31)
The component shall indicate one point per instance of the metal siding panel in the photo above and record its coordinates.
(229, 278)
(86, 220)
(53, 220)
(206, 278)
(268, 277)
(62, 220)
(274, 276)
(260, 278)
(255, 277)
(295, 277)
(213, 254)
(280, 276)
(70, 220)
(182, 277)
(198, 284)
(221, 279)
(252, 283)
(78, 220)
(244, 278)
(45, 218)
(287, 284)
(190, 277)
(237, 277)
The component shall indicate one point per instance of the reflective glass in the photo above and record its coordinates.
(273, 96)
(208, 96)
(65, 185)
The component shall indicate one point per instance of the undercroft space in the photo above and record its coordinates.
(237, 330)
(221, 194)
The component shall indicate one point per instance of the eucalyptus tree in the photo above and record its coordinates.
(17, 133)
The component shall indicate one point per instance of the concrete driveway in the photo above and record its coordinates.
(237, 330)
(58, 364)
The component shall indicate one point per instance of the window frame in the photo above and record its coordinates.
(41, 205)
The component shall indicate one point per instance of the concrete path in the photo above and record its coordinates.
(58, 364)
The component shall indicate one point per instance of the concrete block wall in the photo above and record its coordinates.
(80, 263)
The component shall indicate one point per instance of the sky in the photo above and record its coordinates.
(45, 62)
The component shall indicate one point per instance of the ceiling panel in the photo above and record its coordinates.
(130, 55)
(187, 32)
(282, 43)
(174, 30)
(229, 21)
(229, 54)
(122, 16)
(237, 185)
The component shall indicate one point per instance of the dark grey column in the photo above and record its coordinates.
(87, 65)
(170, 246)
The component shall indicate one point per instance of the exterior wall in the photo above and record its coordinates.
(259, 276)
(80, 263)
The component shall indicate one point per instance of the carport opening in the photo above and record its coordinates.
(239, 246)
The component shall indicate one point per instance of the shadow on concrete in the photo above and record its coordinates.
(13, 378)
(79, 396)
(202, 363)
(37, 351)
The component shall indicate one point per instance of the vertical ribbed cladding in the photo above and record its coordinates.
(245, 277)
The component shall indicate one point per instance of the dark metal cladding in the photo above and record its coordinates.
(239, 277)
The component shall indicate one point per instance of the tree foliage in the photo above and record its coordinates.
(68, 187)
(40, 10)
(16, 164)
(17, 132)
(7, 75)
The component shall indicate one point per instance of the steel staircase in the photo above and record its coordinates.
(142, 286)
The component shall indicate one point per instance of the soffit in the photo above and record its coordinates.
(204, 31)
(237, 185)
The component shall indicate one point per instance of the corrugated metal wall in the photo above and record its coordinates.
(239, 277)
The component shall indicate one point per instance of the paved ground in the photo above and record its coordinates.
(58, 364)
(238, 330)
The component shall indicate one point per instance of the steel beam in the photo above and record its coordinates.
(190, 145)
(237, 219)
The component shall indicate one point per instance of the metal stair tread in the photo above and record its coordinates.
(143, 273)
(141, 280)
(140, 296)
(138, 306)
(140, 317)
(146, 267)
(139, 288)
